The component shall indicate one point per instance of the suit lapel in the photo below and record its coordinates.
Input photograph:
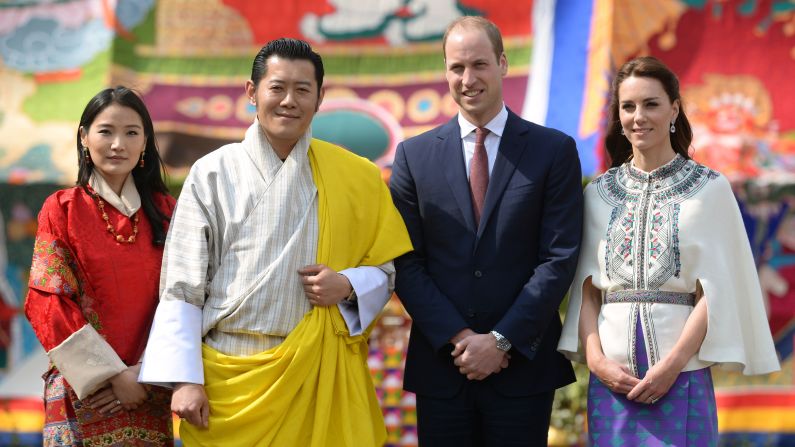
(451, 158)
(512, 145)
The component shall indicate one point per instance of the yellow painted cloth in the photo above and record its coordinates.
(315, 388)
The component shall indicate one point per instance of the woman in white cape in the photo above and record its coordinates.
(666, 284)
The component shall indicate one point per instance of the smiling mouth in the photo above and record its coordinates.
(471, 93)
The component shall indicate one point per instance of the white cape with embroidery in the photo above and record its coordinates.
(667, 230)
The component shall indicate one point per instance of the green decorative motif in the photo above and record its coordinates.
(64, 101)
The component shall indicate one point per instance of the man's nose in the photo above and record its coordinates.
(468, 78)
(289, 99)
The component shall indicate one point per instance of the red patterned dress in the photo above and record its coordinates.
(82, 279)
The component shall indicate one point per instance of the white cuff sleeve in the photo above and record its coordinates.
(174, 351)
(371, 285)
(86, 361)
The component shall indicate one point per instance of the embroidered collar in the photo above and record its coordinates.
(663, 172)
(127, 203)
(675, 181)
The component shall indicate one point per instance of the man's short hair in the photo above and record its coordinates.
(287, 48)
(476, 22)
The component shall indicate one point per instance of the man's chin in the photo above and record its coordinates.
(282, 132)
(474, 107)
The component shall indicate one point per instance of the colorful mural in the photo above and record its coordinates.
(54, 55)
(384, 57)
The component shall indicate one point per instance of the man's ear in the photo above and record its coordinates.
(320, 95)
(251, 92)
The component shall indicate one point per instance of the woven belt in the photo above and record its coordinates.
(650, 296)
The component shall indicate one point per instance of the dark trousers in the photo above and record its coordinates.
(478, 416)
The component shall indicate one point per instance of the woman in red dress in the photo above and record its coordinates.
(94, 281)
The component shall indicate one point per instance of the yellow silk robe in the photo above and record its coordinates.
(314, 389)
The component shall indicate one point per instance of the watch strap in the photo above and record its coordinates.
(502, 343)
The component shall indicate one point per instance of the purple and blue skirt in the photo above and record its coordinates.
(685, 417)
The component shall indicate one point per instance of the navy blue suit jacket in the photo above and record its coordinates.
(508, 274)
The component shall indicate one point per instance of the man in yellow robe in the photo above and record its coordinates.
(278, 259)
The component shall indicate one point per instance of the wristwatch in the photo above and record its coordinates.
(502, 343)
(352, 297)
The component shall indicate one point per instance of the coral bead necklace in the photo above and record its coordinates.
(111, 230)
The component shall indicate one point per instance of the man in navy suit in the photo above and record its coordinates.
(493, 204)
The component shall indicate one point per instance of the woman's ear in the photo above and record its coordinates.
(83, 136)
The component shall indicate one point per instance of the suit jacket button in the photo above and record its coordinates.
(478, 273)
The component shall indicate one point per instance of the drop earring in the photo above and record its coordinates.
(622, 131)
(141, 163)
(87, 156)
(673, 128)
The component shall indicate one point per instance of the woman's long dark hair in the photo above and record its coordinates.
(617, 145)
(148, 179)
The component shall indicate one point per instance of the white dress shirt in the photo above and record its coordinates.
(496, 127)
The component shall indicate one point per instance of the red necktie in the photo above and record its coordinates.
(479, 172)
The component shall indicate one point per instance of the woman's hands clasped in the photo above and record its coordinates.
(123, 393)
(656, 383)
(613, 375)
